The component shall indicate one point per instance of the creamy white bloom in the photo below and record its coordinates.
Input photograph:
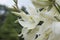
(48, 30)
(29, 21)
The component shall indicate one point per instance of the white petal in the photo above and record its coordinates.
(56, 27)
(58, 1)
(27, 24)
(41, 3)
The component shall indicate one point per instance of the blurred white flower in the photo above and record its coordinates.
(42, 23)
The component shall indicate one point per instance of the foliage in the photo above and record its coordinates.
(9, 30)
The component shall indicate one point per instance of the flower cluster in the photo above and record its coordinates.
(41, 22)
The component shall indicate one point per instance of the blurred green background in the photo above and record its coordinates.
(9, 30)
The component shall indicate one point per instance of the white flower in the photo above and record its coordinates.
(48, 30)
(29, 20)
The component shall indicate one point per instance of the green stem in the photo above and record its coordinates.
(56, 18)
(57, 8)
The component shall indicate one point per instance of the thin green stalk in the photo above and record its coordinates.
(57, 8)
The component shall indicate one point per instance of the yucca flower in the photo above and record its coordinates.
(41, 25)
